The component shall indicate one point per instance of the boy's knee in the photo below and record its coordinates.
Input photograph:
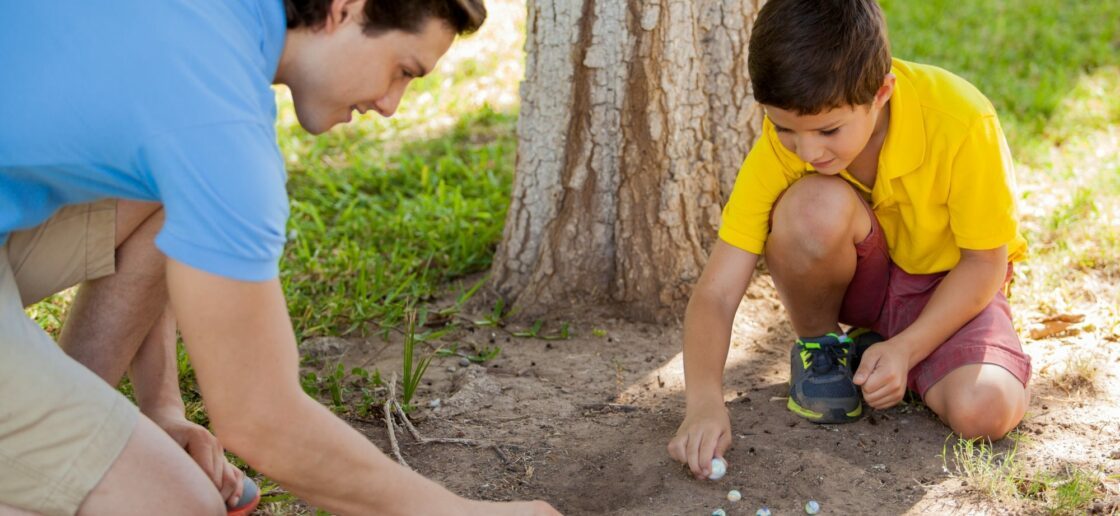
(814, 213)
(986, 412)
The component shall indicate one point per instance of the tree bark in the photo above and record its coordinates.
(635, 117)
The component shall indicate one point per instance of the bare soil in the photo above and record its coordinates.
(583, 423)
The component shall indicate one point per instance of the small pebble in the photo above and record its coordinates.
(719, 469)
(734, 495)
(435, 403)
(719, 512)
(464, 361)
(812, 507)
(765, 511)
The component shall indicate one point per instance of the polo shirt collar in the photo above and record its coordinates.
(904, 148)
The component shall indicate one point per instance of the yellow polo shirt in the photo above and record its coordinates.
(945, 180)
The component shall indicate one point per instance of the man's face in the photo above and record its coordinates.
(829, 140)
(340, 69)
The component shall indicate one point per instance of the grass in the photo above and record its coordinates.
(1025, 55)
(1078, 373)
(1003, 478)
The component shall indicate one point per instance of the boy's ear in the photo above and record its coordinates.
(885, 90)
(341, 12)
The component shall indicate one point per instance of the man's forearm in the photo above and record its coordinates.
(323, 460)
(961, 295)
(244, 352)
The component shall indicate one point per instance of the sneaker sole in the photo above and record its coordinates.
(834, 416)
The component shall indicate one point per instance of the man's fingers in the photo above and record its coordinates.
(232, 485)
(204, 457)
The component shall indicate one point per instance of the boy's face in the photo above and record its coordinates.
(339, 69)
(832, 139)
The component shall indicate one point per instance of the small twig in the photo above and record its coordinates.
(389, 424)
(420, 439)
(407, 423)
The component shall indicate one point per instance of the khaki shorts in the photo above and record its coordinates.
(61, 426)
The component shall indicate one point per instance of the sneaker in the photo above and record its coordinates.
(862, 338)
(250, 497)
(820, 387)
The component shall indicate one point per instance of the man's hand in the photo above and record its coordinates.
(882, 373)
(705, 433)
(206, 451)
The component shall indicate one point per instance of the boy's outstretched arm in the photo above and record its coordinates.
(243, 349)
(706, 430)
(963, 294)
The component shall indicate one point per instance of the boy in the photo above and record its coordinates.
(170, 102)
(881, 193)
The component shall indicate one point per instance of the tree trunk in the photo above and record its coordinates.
(635, 117)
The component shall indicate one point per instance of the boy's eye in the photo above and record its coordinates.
(407, 74)
(830, 132)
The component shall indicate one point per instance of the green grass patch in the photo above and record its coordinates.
(1026, 56)
(372, 234)
(996, 472)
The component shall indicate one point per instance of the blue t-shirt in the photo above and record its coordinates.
(167, 101)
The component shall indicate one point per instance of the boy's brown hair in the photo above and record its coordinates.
(809, 56)
(463, 16)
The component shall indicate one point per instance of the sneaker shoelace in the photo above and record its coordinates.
(826, 356)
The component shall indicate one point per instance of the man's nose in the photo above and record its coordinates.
(388, 104)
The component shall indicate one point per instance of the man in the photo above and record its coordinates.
(169, 105)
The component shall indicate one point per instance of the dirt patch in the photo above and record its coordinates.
(583, 424)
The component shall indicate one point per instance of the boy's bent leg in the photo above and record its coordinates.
(979, 400)
(811, 250)
(812, 257)
(976, 381)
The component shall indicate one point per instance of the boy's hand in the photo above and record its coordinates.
(882, 374)
(705, 433)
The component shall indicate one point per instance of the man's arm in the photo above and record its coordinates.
(244, 353)
(963, 294)
(706, 430)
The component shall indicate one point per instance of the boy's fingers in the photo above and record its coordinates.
(692, 450)
(866, 367)
(676, 448)
(724, 444)
(707, 451)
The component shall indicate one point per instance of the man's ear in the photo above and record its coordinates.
(885, 90)
(342, 11)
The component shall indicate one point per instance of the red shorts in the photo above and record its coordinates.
(886, 299)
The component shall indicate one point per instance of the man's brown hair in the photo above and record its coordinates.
(463, 16)
(808, 56)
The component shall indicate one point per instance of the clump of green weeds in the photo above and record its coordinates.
(412, 370)
(1001, 477)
